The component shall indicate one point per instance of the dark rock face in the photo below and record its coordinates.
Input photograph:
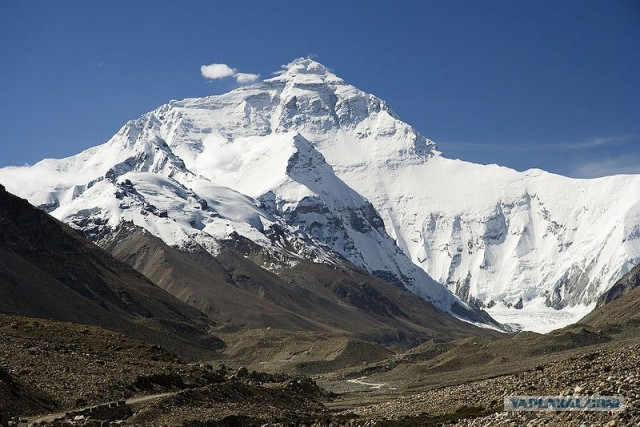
(518, 305)
(619, 307)
(568, 289)
(629, 281)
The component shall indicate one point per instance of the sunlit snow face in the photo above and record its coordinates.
(486, 231)
(218, 153)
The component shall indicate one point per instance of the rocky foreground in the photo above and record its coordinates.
(603, 372)
(75, 373)
(84, 375)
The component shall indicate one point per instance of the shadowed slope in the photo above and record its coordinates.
(49, 270)
(620, 304)
(235, 290)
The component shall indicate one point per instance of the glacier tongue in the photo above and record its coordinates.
(306, 151)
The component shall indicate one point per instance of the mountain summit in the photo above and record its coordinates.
(305, 66)
(308, 167)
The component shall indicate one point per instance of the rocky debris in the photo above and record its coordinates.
(599, 373)
(97, 415)
(242, 372)
(240, 401)
(161, 381)
(87, 366)
(80, 367)
(67, 366)
(305, 386)
(16, 397)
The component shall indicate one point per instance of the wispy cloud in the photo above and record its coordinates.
(221, 71)
(607, 141)
(520, 147)
(622, 164)
(588, 158)
(484, 146)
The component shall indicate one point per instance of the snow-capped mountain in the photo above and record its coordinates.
(333, 170)
(274, 189)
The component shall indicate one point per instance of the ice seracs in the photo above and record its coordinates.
(307, 151)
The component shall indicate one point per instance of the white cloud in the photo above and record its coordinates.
(216, 71)
(246, 77)
(221, 71)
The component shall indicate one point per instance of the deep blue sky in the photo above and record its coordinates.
(547, 84)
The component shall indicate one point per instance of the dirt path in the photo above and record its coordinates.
(375, 386)
(132, 401)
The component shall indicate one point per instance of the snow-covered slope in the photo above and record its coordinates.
(275, 190)
(308, 152)
(135, 178)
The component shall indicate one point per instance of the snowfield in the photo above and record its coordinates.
(340, 173)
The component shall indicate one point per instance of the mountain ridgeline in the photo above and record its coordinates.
(259, 190)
